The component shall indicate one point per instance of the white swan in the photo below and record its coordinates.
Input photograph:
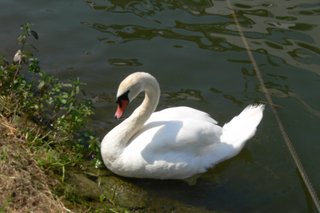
(174, 143)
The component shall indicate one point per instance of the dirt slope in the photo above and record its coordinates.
(23, 185)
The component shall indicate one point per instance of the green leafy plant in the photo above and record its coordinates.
(58, 108)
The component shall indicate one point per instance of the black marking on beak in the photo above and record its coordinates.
(124, 96)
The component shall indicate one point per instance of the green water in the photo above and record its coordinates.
(194, 49)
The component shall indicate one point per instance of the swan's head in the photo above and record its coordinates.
(129, 89)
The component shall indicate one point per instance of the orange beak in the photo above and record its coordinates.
(122, 105)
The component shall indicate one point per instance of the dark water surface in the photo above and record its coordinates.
(194, 49)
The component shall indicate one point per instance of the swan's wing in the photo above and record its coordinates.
(174, 145)
(181, 113)
(176, 134)
(174, 149)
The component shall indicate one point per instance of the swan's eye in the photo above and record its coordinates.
(122, 97)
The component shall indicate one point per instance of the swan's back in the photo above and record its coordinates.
(181, 113)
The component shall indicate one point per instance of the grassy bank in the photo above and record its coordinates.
(24, 185)
(42, 133)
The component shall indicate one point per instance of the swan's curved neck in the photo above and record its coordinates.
(119, 137)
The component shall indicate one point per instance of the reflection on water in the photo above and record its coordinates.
(124, 62)
(156, 24)
(194, 49)
(268, 26)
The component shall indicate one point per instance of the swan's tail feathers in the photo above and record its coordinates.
(242, 127)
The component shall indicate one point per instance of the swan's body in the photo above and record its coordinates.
(174, 143)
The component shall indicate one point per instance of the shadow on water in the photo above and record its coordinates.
(210, 191)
